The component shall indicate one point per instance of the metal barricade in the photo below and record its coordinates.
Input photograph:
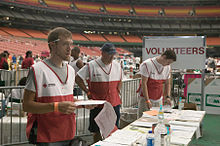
(5, 77)
(129, 96)
(18, 75)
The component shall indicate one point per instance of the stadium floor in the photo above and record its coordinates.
(211, 133)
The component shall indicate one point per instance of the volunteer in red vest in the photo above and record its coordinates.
(76, 62)
(155, 81)
(104, 83)
(48, 95)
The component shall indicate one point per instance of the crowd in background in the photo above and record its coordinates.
(129, 63)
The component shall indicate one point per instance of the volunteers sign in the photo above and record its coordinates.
(190, 50)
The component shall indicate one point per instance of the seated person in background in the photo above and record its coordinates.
(17, 94)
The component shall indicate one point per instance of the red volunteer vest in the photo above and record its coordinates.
(103, 85)
(155, 81)
(53, 126)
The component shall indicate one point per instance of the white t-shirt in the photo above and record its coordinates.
(84, 71)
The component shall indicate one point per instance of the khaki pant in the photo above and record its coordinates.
(142, 106)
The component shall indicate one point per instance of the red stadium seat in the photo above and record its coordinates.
(114, 38)
(88, 6)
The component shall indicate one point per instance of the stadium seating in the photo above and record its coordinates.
(132, 39)
(213, 11)
(79, 37)
(118, 9)
(88, 6)
(177, 11)
(35, 33)
(59, 4)
(147, 10)
(14, 32)
(213, 41)
(114, 38)
(95, 37)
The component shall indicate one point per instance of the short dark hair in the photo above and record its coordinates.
(170, 54)
(28, 53)
(77, 49)
(55, 33)
(22, 81)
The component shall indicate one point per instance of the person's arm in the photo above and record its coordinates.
(119, 87)
(31, 106)
(82, 85)
(79, 64)
(167, 90)
(145, 90)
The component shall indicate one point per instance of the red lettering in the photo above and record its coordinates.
(182, 50)
(177, 51)
(188, 50)
(195, 50)
(201, 50)
(159, 51)
(148, 51)
(154, 51)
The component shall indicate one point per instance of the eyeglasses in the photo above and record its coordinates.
(54, 41)
(70, 44)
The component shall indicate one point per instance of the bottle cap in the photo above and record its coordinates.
(160, 107)
(150, 131)
(168, 132)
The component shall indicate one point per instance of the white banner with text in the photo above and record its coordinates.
(190, 50)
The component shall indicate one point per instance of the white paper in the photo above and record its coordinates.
(193, 124)
(182, 134)
(180, 141)
(142, 124)
(106, 119)
(89, 102)
(105, 143)
(124, 137)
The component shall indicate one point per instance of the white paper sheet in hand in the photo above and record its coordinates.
(89, 102)
(106, 119)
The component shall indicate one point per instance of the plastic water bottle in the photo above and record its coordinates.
(181, 104)
(168, 137)
(150, 139)
(160, 130)
(160, 114)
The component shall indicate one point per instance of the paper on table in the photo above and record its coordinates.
(106, 119)
(124, 137)
(193, 124)
(89, 102)
(151, 112)
(182, 134)
(105, 143)
(143, 124)
(180, 141)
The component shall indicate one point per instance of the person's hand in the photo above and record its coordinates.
(168, 101)
(149, 104)
(88, 94)
(66, 107)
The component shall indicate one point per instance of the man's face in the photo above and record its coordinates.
(167, 61)
(108, 58)
(75, 53)
(63, 48)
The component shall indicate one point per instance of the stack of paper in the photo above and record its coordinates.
(124, 137)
